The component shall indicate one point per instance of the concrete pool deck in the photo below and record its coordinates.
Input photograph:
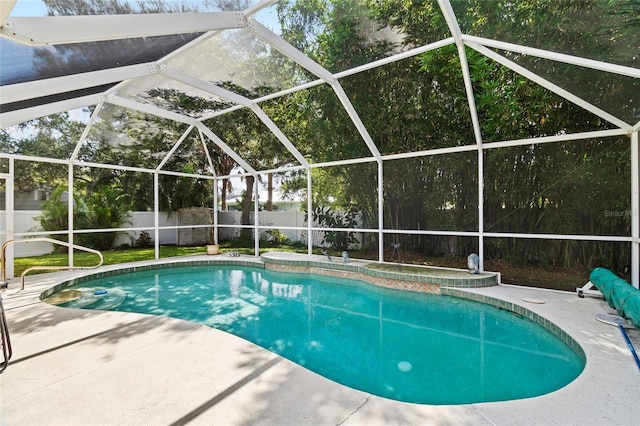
(82, 367)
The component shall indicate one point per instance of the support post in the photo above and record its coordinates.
(256, 217)
(635, 211)
(309, 214)
(481, 207)
(156, 214)
(380, 212)
(70, 211)
(215, 211)
(9, 220)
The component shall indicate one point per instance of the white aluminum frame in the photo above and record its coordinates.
(58, 30)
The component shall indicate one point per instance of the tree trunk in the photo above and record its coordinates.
(246, 206)
(270, 192)
(223, 195)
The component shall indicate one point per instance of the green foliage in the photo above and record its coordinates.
(415, 104)
(111, 257)
(144, 240)
(107, 208)
(348, 39)
(55, 214)
(53, 136)
(274, 238)
(149, 139)
(301, 22)
(325, 217)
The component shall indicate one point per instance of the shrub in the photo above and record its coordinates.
(105, 208)
(274, 238)
(144, 240)
(327, 218)
(55, 214)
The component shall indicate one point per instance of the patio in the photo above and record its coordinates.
(506, 130)
(90, 367)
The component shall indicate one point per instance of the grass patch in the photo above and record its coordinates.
(555, 278)
(111, 257)
(115, 257)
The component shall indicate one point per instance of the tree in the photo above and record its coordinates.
(427, 98)
(243, 132)
(538, 188)
(54, 136)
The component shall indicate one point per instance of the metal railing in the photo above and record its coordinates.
(3, 279)
(5, 341)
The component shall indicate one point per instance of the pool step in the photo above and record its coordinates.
(92, 298)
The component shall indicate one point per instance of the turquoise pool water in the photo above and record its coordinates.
(406, 346)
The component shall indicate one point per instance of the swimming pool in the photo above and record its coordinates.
(407, 346)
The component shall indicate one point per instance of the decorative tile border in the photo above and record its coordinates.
(523, 312)
(147, 267)
(391, 279)
(395, 280)
(398, 281)
(387, 282)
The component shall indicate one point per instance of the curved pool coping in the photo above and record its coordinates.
(138, 372)
(429, 280)
(403, 281)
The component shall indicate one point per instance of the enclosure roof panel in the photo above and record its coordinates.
(34, 48)
(599, 30)
(127, 50)
(22, 63)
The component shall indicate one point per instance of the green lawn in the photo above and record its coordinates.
(559, 278)
(113, 257)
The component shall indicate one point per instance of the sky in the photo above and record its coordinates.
(38, 8)
(29, 8)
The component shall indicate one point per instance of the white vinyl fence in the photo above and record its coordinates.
(25, 221)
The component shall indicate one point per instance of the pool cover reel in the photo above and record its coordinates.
(618, 293)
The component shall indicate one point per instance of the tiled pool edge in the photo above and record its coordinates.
(420, 283)
(139, 268)
(522, 311)
(398, 281)
(390, 279)
(421, 287)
